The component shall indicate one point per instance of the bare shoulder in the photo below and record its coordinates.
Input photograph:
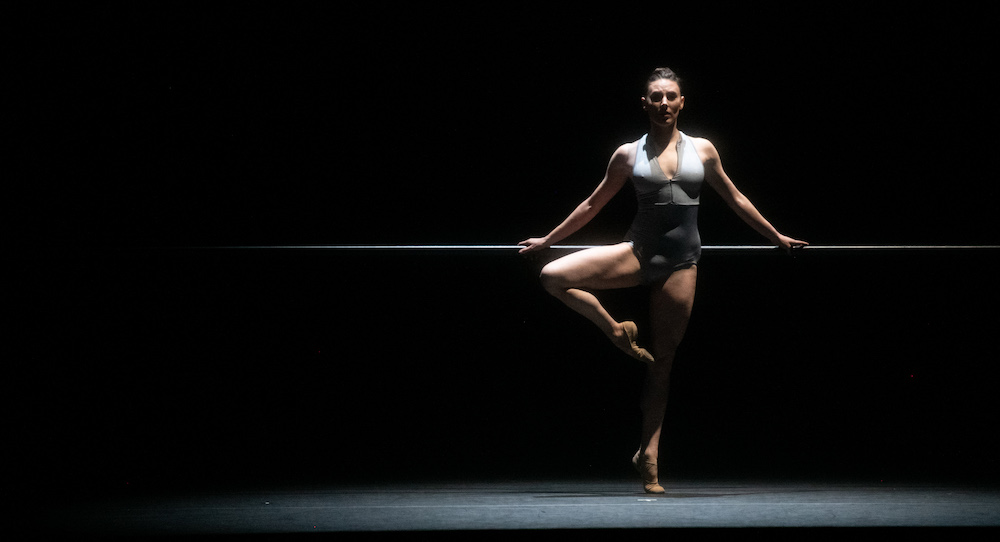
(627, 150)
(705, 149)
(623, 158)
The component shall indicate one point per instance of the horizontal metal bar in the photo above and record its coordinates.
(706, 248)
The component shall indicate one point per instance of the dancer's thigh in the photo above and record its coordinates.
(606, 267)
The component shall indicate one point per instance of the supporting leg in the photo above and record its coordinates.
(670, 311)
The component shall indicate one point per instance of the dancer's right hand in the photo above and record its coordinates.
(533, 244)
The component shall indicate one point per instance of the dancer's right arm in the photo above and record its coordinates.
(619, 170)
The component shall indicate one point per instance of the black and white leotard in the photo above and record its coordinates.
(664, 234)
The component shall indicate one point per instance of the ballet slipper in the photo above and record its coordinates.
(648, 472)
(637, 352)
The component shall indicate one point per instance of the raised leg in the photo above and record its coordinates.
(571, 279)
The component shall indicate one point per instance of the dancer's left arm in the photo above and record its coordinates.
(717, 178)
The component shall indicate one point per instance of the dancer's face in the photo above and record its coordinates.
(663, 102)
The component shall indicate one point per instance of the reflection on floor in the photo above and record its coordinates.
(550, 506)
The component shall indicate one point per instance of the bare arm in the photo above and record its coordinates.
(614, 179)
(717, 178)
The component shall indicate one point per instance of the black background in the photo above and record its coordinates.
(140, 365)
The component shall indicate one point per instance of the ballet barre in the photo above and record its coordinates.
(706, 248)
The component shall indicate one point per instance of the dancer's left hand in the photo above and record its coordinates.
(787, 243)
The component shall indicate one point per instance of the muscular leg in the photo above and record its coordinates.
(670, 310)
(569, 278)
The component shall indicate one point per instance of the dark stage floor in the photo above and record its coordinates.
(549, 506)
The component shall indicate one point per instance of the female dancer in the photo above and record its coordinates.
(661, 249)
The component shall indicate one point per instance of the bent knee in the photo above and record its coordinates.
(553, 279)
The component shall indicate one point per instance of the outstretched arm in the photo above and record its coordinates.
(716, 177)
(615, 177)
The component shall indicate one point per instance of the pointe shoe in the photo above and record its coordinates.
(648, 472)
(637, 352)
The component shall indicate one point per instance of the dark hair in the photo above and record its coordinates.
(661, 73)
